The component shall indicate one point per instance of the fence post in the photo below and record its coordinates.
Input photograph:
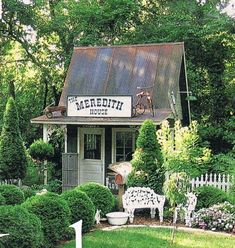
(78, 233)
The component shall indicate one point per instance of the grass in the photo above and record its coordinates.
(153, 238)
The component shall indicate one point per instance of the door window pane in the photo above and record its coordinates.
(92, 146)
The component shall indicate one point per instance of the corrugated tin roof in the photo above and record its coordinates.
(119, 70)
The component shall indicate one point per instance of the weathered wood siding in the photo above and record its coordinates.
(70, 169)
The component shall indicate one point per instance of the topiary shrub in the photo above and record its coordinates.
(81, 207)
(13, 195)
(100, 195)
(41, 150)
(54, 214)
(208, 196)
(2, 200)
(24, 228)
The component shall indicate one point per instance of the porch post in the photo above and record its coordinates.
(65, 138)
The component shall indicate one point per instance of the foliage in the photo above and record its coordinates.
(28, 192)
(153, 180)
(54, 214)
(13, 160)
(36, 47)
(2, 200)
(220, 137)
(147, 156)
(100, 195)
(222, 163)
(12, 194)
(54, 186)
(181, 151)
(175, 188)
(24, 228)
(41, 150)
(81, 207)
(209, 195)
(56, 139)
(216, 218)
(33, 175)
(147, 160)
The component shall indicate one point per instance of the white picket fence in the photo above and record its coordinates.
(220, 181)
(17, 182)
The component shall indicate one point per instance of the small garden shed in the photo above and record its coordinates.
(102, 94)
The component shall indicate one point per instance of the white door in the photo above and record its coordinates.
(91, 155)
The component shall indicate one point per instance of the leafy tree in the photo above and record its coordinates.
(36, 46)
(147, 159)
(181, 150)
(13, 160)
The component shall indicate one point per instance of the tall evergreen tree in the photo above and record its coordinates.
(147, 160)
(13, 160)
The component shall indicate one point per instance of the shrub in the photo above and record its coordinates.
(208, 196)
(24, 228)
(81, 207)
(12, 194)
(13, 160)
(216, 218)
(100, 195)
(41, 150)
(147, 160)
(54, 214)
(55, 186)
(148, 156)
(2, 200)
(28, 192)
(32, 176)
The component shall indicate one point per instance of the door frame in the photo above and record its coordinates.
(80, 147)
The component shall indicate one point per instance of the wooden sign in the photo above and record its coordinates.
(99, 106)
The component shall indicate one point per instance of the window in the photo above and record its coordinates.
(124, 144)
(92, 146)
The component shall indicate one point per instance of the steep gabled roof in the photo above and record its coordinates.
(119, 70)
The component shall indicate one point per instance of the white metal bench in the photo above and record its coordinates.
(141, 197)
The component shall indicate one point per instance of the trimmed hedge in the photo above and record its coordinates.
(12, 194)
(100, 195)
(2, 200)
(81, 207)
(208, 196)
(24, 228)
(54, 214)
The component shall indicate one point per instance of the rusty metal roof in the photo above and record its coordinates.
(119, 70)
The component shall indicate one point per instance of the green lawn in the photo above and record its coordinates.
(153, 238)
